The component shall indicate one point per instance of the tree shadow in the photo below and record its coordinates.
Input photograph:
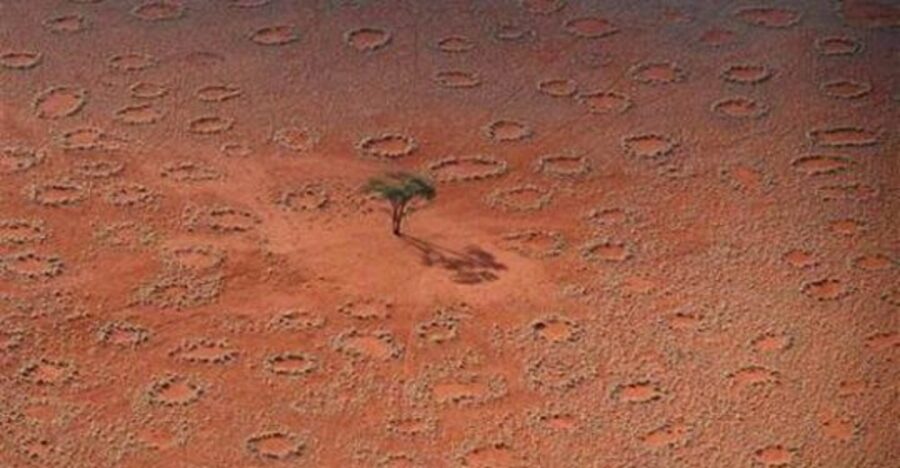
(473, 265)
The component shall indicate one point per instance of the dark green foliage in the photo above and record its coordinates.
(400, 189)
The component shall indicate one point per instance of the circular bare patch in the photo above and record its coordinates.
(293, 364)
(367, 39)
(534, 243)
(608, 216)
(275, 35)
(129, 194)
(190, 171)
(126, 234)
(739, 107)
(48, 372)
(852, 191)
(158, 10)
(526, 197)
(454, 44)
(276, 445)
(180, 291)
(873, 262)
(605, 102)
(657, 73)
(306, 198)
(31, 266)
(22, 231)
(20, 59)
(236, 149)
(132, 62)
(846, 89)
(771, 342)
(642, 391)
(174, 390)
(205, 351)
(826, 289)
(457, 169)
(746, 73)
(99, 169)
(493, 454)
(139, 114)
(19, 158)
(378, 345)
(218, 93)
(843, 136)
(590, 27)
(10, 339)
(248, 3)
(148, 90)
(513, 32)
(387, 146)
(210, 125)
(438, 330)
(649, 145)
(195, 258)
(773, 456)
(296, 320)
(557, 87)
(59, 101)
(606, 250)
(838, 46)
(220, 218)
(505, 130)
(66, 23)
(555, 329)
(563, 165)
(821, 164)
(63, 192)
(122, 334)
(299, 139)
(88, 138)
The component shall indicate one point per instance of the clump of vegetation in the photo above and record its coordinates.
(400, 189)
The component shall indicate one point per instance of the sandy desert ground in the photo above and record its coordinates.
(666, 233)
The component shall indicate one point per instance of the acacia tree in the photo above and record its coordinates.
(400, 189)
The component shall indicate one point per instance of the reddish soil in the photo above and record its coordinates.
(666, 234)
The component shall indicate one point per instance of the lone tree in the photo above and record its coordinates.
(400, 189)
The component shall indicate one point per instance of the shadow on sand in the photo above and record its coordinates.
(473, 265)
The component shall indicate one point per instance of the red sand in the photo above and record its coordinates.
(665, 235)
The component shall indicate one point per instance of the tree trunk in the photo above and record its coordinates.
(396, 218)
(398, 215)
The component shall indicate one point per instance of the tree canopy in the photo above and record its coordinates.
(399, 189)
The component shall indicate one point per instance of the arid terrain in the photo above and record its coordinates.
(666, 233)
